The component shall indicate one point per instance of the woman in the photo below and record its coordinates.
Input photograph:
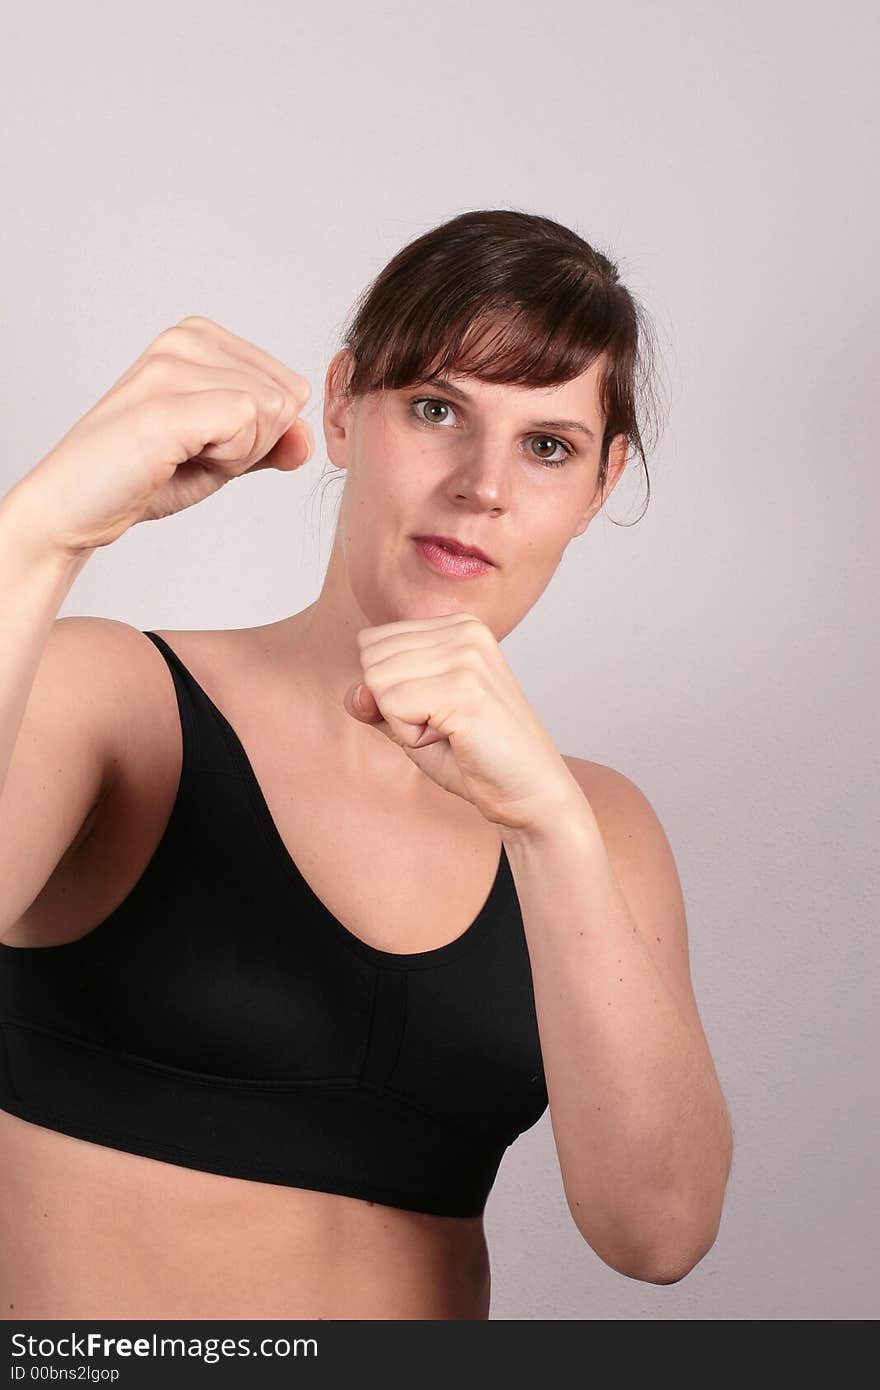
(282, 974)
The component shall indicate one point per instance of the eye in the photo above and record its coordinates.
(435, 401)
(429, 400)
(554, 462)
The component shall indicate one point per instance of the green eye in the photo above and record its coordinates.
(426, 400)
(446, 405)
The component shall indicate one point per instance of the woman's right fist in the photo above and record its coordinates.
(200, 406)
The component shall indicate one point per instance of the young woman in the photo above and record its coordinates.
(283, 973)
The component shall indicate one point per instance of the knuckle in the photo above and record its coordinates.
(162, 341)
(195, 321)
(302, 391)
(471, 682)
(151, 414)
(157, 367)
(174, 339)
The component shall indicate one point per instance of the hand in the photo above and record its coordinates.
(441, 689)
(199, 407)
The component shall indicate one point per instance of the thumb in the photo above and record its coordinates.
(360, 703)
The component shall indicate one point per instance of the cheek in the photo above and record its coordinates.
(369, 487)
(399, 483)
(543, 553)
(379, 509)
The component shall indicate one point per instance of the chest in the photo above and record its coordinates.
(248, 923)
(224, 963)
(401, 872)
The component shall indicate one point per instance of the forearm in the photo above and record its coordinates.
(35, 578)
(638, 1116)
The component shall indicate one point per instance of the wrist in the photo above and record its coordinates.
(25, 535)
(568, 812)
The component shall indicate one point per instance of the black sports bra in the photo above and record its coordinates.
(223, 1019)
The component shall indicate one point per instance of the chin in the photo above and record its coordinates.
(381, 607)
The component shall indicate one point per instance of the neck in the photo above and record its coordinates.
(316, 651)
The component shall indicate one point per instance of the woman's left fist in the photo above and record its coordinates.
(441, 689)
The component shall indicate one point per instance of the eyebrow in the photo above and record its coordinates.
(457, 392)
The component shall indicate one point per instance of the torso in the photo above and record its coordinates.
(91, 1231)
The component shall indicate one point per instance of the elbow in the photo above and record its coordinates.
(662, 1260)
(696, 1223)
(669, 1265)
(665, 1266)
(661, 1241)
(671, 1269)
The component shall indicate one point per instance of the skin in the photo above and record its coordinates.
(473, 471)
(95, 1231)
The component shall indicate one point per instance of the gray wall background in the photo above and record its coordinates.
(259, 165)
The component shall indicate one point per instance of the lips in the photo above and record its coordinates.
(458, 547)
(450, 564)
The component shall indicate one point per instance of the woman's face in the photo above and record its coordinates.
(488, 465)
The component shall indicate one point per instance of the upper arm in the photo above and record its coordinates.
(644, 866)
(67, 745)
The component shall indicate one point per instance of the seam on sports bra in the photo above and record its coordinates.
(183, 1074)
(206, 1079)
(368, 1031)
(393, 1068)
(471, 1136)
(209, 1163)
(9, 1078)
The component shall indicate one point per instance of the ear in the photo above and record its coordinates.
(338, 407)
(616, 463)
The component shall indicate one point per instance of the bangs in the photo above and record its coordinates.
(534, 345)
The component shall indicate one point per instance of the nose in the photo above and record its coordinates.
(482, 477)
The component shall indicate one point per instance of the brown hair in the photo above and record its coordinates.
(507, 297)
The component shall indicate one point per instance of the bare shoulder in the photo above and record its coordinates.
(218, 650)
(103, 660)
(113, 659)
(115, 653)
(139, 686)
(590, 773)
(645, 868)
(110, 642)
(630, 826)
(149, 684)
(610, 793)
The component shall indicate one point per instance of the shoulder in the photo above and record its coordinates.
(138, 686)
(627, 819)
(117, 655)
(218, 653)
(104, 661)
(644, 866)
(610, 793)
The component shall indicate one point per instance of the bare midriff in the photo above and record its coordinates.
(93, 1232)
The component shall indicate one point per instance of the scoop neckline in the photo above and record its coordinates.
(500, 891)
